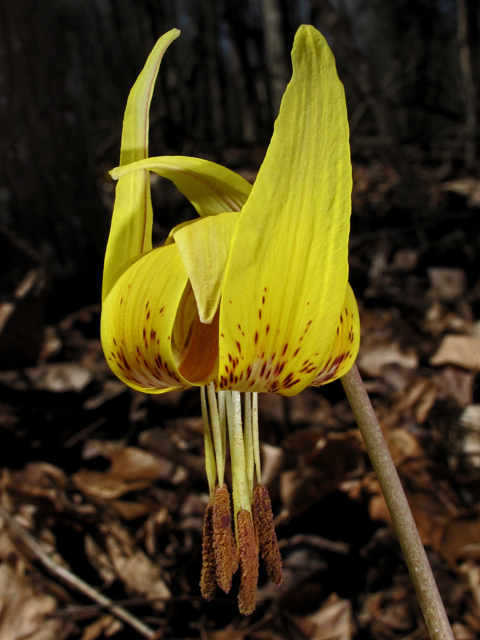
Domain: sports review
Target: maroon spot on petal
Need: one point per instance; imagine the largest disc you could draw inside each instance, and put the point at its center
(148, 315)
(229, 357)
(285, 349)
(161, 310)
(341, 319)
(256, 336)
(114, 342)
(249, 371)
(148, 302)
(231, 376)
(121, 300)
(263, 369)
(226, 368)
(238, 346)
(263, 299)
(260, 314)
(268, 328)
(138, 350)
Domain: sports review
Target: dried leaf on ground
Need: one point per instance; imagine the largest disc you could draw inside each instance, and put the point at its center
(463, 351)
(25, 612)
(333, 621)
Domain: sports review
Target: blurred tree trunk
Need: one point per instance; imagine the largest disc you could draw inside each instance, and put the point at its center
(466, 19)
(47, 182)
(275, 54)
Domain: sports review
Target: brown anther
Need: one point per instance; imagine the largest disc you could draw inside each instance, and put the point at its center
(208, 580)
(248, 555)
(225, 551)
(267, 538)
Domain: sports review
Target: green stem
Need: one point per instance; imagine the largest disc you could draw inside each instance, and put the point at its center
(412, 547)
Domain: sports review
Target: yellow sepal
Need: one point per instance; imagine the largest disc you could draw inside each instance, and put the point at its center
(131, 229)
(204, 247)
(211, 188)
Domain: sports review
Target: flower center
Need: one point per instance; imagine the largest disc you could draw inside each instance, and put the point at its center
(226, 548)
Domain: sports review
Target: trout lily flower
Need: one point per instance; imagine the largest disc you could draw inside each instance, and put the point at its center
(250, 297)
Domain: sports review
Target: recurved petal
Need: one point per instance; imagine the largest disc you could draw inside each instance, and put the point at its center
(211, 188)
(204, 246)
(131, 229)
(138, 322)
(345, 345)
(287, 272)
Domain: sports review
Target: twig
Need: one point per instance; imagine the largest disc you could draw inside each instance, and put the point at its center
(412, 547)
(73, 581)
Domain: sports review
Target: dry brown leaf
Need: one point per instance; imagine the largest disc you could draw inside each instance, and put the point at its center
(324, 462)
(59, 377)
(372, 359)
(131, 469)
(463, 351)
(468, 187)
(135, 569)
(106, 625)
(25, 612)
(459, 536)
(333, 621)
(447, 283)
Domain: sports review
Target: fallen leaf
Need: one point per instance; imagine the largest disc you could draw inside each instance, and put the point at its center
(463, 351)
(25, 612)
(333, 621)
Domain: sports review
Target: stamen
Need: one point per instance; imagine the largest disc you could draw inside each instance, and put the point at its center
(241, 500)
(267, 538)
(209, 453)
(225, 549)
(208, 580)
(248, 555)
(217, 433)
(249, 454)
(256, 439)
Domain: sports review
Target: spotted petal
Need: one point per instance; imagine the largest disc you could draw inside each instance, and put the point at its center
(151, 334)
(131, 229)
(287, 272)
(345, 345)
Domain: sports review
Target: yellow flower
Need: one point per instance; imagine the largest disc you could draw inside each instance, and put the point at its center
(252, 296)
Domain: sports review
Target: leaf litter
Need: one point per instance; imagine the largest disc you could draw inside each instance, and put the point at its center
(108, 486)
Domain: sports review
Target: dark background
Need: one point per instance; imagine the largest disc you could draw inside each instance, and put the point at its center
(73, 437)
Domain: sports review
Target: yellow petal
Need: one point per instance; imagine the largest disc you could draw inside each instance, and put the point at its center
(287, 272)
(211, 188)
(204, 247)
(131, 229)
(151, 334)
(345, 345)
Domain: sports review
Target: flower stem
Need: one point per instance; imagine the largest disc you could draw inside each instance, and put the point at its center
(412, 547)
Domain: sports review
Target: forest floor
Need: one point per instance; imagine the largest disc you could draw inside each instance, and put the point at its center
(104, 488)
